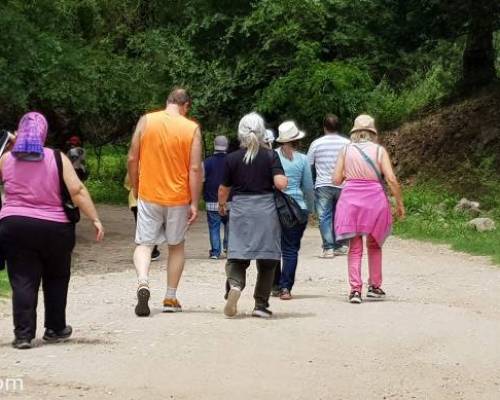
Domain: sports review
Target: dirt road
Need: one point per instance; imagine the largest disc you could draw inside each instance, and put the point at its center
(437, 336)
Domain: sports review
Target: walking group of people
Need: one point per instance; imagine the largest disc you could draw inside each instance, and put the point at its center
(342, 179)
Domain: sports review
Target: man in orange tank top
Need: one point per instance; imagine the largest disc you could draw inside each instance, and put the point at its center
(164, 166)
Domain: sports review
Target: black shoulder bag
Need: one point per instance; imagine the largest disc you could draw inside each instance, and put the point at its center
(289, 212)
(71, 211)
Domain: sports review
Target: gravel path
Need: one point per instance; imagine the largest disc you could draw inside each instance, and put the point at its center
(435, 337)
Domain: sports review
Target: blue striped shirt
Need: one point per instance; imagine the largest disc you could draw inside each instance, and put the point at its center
(323, 154)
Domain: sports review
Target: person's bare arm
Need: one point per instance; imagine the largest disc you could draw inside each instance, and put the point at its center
(338, 173)
(195, 175)
(80, 196)
(223, 196)
(134, 155)
(2, 160)
(393, 183)
(280, 182)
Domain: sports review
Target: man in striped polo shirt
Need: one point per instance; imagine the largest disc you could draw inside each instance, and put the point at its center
(322, 156)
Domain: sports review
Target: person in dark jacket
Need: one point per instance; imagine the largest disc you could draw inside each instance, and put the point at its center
(214, 167)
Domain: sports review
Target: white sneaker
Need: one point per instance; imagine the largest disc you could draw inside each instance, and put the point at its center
(327, 253)
(231, 309)
(341, 251)
(262, 312)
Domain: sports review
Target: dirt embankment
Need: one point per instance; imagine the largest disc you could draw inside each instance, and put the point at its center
(453, 141)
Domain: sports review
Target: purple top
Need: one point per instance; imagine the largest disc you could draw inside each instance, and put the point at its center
(32, 188)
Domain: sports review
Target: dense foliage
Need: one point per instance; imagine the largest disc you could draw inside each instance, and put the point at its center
(93, 66)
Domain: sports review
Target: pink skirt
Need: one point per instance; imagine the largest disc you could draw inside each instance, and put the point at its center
(363, 209)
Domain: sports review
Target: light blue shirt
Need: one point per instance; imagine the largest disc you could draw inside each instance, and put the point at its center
(300, 183)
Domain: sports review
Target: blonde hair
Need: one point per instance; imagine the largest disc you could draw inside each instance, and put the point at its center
(363, 136)
(251, 134)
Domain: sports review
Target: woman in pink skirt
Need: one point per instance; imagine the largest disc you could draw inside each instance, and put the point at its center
(363, 208)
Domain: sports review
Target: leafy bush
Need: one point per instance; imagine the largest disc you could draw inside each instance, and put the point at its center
(330, 87)
(106, 179)
(391, 107)
(4, 284)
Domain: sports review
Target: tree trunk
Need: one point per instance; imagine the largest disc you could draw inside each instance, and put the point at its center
(479, 53)
(479, 60)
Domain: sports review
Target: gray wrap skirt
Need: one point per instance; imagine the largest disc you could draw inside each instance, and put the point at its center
(254, 228)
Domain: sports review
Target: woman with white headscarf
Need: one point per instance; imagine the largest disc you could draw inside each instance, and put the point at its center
(255, 232)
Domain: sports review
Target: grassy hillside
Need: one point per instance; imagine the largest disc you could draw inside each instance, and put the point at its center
(448, 154)
(431, 217)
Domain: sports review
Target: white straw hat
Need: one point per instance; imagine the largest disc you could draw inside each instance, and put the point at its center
(289, 132)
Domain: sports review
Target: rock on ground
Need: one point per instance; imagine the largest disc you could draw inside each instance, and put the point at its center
(482, 224)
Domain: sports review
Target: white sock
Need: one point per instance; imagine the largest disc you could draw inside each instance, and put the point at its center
(142, 282)
(171, 292)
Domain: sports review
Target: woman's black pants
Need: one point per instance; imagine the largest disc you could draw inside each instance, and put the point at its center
(37, 251)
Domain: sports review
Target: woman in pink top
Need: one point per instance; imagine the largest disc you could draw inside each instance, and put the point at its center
(36, 237)
(363, 208)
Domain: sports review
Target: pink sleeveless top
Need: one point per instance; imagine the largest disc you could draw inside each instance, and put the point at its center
(32, 188)
(356, 167)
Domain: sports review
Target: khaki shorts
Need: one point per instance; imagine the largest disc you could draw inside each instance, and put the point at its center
(158, 224)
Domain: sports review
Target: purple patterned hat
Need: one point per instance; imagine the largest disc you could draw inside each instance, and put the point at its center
(31, 136)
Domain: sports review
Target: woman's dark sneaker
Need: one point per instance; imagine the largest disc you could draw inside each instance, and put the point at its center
(142, 307)
(22, 344)
(355, 297)
(375, 293)
(262, 312)
(275, 291)
(52, 335)
(155, 255)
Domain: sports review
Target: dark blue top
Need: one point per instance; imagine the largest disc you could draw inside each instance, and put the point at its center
(214, 170)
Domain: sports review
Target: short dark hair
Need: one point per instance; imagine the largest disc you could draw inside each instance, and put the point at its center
(179, 96)
(331, 123)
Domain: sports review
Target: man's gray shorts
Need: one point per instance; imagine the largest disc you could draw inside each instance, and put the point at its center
(158, 224)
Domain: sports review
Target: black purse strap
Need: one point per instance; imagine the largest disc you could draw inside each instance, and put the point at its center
(65, 196)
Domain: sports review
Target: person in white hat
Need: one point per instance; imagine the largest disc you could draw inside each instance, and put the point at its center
(322, 155)
(269, 138)
(214, 168)
(301, 188)
(363, 208)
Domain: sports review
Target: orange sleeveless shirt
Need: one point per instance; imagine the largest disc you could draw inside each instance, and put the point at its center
(164, 159)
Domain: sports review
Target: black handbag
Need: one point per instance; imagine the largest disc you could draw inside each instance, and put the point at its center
(289, 212)
(71, 211)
